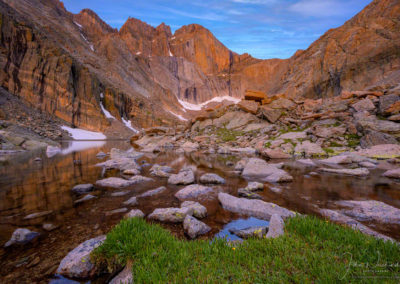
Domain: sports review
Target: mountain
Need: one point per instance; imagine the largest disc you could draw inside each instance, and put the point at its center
(75, 66)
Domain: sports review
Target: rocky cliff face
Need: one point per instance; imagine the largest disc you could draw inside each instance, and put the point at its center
(69, 65)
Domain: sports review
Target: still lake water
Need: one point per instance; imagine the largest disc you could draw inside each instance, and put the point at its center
(28, 186)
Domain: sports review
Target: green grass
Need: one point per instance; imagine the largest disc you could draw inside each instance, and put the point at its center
(228, 135)
(290, 141)
(353, 140)
(335, 144)
(268, 144)
(328, 150)
(312, 250)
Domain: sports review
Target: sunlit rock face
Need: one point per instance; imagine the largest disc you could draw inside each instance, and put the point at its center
(61, 63)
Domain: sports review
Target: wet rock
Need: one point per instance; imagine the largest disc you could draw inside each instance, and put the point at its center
(190, 146)
(307, 162)
(371, 211)
(116, 211)
(114, 182)
(258, 168)
(87, 197)
(212, 179)
(83, 188)
(367, 165)
(255, 186)
(49, 227)
(153, 191)
(38, 215)
(77, 263)
(124, 277)
(194, 227)
(279, 176)
(372, 138)
(193, 191)
(119, 193)
(119, 164)
(140, 179)
(161, 171)
(173, 215)
(101, 154)
(255, 208)
(243, 192)
(131, 201)
(252, 232)
(361, 172)
(120, 154)
(199, 211)
(385, 151)
(134, 213)
(274, 154)
(392, 173)
(185, 176)
(276, 226)
(341, 159)
(21, 236)
(240, 165)
(131, 172)
(309, 149)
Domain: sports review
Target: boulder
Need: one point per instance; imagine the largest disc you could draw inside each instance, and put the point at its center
(211, 179)
(387, 103)
(329, 132)
(250, 207)
(364, 105)
(131, 172)
(153, 192)
(258, 168)
(194, 227)
(276, 226)
(131, 201)
(124, 277)
(255, 186)
(274, 154)
(190, 146)
(371, 122)
(372, 138)
(307, 162)
(384, 151)
(272, 115)
(140, 179)
(120, 154)
(161, 171)
(282, 103)
(22, 236)
(83, 188)
(341, 159)
(77, 263)
(309, 149)
(241, 119)
(193, 191)
(252, 232)
(199, 211)
(116, 211)
(392, 173)
(360, 172)
(134, 213)
(173, 215)
(243, 192)
(114, 182)
(121, 164)
(87, 197)
(185, 176)
(240, 165)
(248, 106)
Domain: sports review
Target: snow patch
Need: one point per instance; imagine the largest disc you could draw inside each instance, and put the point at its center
(138, 53)
(81, 134)
(79, 26)
(128, 124)
(101, 95)
(191, 106)
(170, 53)
(173, 37)
(178, 116)
(106, 112)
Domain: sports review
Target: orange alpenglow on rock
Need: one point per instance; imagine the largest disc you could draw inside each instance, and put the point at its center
(257, 96)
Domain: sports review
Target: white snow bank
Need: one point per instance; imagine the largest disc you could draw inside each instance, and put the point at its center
(178, 116)
(128, 124)
(170, 53)
(77, 146)
(81, 134)
(191, 106)
(106, 112)
(80, 26)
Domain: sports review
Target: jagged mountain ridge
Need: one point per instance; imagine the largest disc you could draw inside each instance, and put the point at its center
(62, 62)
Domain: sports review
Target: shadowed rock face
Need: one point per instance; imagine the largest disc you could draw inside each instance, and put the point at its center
(61, 63)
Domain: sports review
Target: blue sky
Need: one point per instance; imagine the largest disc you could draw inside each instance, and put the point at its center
(262, 28)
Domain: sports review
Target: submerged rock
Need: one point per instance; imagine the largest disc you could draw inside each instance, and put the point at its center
(360, 172)
(254, 208)
(341, 159)
(49, 227)
(276, 226)
(194, 227)
(77, 263)
(185, 176)
(211, 179)
(199, 211)
(173, 215)
(258, 168)
(392, 173)
(134, 213)
(161, 171)
(153, 192)
(21, 236)
(252, 232)
(114, 182)
(83, 188)
(193, 191)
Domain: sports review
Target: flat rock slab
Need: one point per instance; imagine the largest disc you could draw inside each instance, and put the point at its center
(120, 164)
(114, 182)
(83, 188)
(276, 226)
(258, 168)
(255, 186)
(173, 215)
(140, 179)
(38, 215)
(87, 197)
(131, 172)
(252, 232)
(360, 172)
(307, 162)
(337, 160)
(153, 192)
(161, 171)
(371, 210)
(119, 193)
(22, 236)
(384, 151)
(116, 211)
(193, 191)
(134, 213)
(199, 211)
(254, 208)
(131, 201)
(183, 177)
(77, 263)
(194, 227)
(392, 173)
(212, 179)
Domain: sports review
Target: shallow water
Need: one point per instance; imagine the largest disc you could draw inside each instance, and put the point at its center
(28, 186)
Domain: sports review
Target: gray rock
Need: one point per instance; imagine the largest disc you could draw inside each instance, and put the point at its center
(364, 105)
(131, 201)
(243, 192)
(101, 154)
(252, 232)
(341, 159)
(87, 197)
(116, 211)
(258, 168)
(173, 215)
(212, 179)
(38, 215)
(114, 182)
(21, 236)
(161, 171)
(134, 213)
(183, 177)
(309, 149)
(255, 186)
(49, 227)
(190, 146)
(199, 211)
(120, 154)
(360, 172)
(255, 208)
(83, 188)
(367, 165)
(385, 151)
(193, 191)
(392, 173)
(307, 162)
(153, 191)
(385, 102)
(371, 122)
(240, 165)
(293, 135)
(279, 176)
(372, 138)
(131, 172)
(77, 263)
(194, 227)
(119, 193)
(124, 277)
(276, 226)
(119, 164)
(140, 179)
